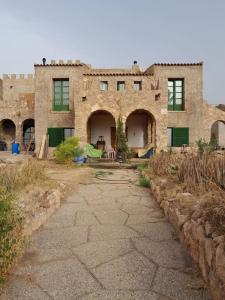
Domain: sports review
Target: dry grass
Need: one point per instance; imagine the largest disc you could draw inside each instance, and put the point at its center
(11, 236)
(165, 163)
(201, 175)
(14, 177)
(194, 171)
(213, 211)
(198, 171)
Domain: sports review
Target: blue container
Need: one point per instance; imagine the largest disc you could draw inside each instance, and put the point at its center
(79, 159)
(15, 148)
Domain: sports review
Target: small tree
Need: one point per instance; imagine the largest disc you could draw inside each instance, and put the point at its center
(121, 141)
(203, 146)
(68, 150)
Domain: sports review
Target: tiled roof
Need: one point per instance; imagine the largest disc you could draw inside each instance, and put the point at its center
(116, 74)
(178, 64)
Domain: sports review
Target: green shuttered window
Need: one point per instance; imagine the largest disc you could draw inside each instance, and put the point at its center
(61, 94)
(178, 136)
(58, 135)
(175, 94)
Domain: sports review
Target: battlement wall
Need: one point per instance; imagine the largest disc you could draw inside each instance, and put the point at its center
(18, 76)
(62, 62)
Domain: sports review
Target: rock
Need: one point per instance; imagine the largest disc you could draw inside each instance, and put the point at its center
(220, 262)
(215, 234)
(171, 200)
(181, 219)
(165, 205)
(196, 215)
(218, 239)
(209, 251)
(208, 229)
(202, 261)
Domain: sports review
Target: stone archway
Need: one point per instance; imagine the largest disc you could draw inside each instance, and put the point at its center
(7, 134)
(101, 125)
(28, 127)
(141, 129)
(218, 134)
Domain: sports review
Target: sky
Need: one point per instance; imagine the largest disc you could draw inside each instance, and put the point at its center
(114, 33)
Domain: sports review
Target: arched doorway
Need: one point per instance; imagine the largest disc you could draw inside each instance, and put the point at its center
(101, 127)
(7, 134)
(140, 129)
(218, 134)
(28, 135)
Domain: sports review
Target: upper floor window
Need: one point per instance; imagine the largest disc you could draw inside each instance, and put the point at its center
(104, 85)
(120, 85)
(61, 94)
(137, 85)
(175, 94)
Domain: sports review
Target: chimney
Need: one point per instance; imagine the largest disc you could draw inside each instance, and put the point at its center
(135, 68)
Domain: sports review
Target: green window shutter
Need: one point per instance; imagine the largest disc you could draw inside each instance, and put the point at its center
(61, 95)
(56, 136)
(180, 136)
(175, 94)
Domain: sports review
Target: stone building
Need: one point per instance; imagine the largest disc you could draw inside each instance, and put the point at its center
(160, 106)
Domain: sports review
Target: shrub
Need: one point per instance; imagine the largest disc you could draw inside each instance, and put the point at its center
(142, 166)
(144, 181)
(203, 146)
(11, 236)
(68, 150)
(12, 179)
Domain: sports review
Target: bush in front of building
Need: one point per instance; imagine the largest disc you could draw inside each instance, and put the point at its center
(11, 234)
(144, 181)
(68, 150)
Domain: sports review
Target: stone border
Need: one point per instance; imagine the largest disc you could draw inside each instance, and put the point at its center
(206, 249)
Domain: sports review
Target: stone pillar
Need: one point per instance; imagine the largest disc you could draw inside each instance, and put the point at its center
(149, 132)
(19, 133)
(81, 129)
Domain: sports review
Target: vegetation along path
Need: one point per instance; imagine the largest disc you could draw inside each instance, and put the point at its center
(109, 240)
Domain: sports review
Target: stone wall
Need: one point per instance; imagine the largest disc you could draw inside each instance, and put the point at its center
(17, 102)
(120, 102)
(206, 247)
(23, 97)
(210, 115)
(45, 117)
(193, 97)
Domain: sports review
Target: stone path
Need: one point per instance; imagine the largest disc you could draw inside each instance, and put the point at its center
(109, 240)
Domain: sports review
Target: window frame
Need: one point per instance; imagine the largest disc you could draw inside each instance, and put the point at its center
(104, 83)
(139, 82)
(64, 103)
(120, 83)
(174, 106)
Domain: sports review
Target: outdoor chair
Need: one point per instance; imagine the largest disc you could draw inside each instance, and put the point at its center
(110, 153)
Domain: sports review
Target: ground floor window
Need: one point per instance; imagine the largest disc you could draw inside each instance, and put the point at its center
(58, 135)
(178, 136)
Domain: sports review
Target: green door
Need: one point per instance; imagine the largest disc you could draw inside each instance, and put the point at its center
(180, 136)
(56, 136)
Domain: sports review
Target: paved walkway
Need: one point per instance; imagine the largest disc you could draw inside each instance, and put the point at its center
(109, 240)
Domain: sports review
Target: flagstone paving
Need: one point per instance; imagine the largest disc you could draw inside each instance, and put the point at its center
(109, 240)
